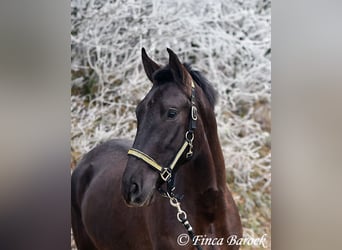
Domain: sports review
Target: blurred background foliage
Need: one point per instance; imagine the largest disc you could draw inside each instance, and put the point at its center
(229, 41)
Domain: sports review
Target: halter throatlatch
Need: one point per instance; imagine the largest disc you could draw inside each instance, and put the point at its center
(167, 174)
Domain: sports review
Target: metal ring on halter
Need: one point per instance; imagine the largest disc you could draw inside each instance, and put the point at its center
(166, 174)
(192, 136)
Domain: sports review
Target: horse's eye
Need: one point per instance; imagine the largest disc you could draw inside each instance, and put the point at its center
(172, 113)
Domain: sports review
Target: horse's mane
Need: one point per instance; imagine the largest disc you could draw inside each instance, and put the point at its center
(164, 75)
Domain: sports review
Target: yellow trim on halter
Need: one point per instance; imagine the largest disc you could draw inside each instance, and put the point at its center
(145, 158)
(180, 152)
(149, 160)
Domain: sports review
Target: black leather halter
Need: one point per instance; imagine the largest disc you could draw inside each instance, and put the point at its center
(167, 174)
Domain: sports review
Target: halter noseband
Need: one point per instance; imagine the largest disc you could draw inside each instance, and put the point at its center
(166, 173)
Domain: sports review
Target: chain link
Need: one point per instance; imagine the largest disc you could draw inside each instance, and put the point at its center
(175, 203)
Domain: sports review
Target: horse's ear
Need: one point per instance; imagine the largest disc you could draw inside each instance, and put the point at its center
(149, 65)
(178, 70)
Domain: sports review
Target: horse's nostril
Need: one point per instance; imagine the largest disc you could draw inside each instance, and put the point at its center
(134, 188)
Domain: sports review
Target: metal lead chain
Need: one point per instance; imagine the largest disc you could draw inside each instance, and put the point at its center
(182, 217)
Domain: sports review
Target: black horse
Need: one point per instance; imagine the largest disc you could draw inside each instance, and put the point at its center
(115, 195)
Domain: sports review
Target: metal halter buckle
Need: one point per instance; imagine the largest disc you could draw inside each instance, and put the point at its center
(166, 174)
(193, 113)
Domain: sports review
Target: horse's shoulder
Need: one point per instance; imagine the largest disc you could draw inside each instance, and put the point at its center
(209, 202)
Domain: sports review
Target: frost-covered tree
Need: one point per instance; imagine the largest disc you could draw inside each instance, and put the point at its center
(229, 41)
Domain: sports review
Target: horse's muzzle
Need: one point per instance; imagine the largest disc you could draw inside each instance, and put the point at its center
(136, 192)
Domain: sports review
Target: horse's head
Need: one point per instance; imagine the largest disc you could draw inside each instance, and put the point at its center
(163, 120)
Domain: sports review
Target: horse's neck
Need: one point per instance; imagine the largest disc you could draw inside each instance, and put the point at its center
(207, 170)
(203, 182)
(211, 156)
